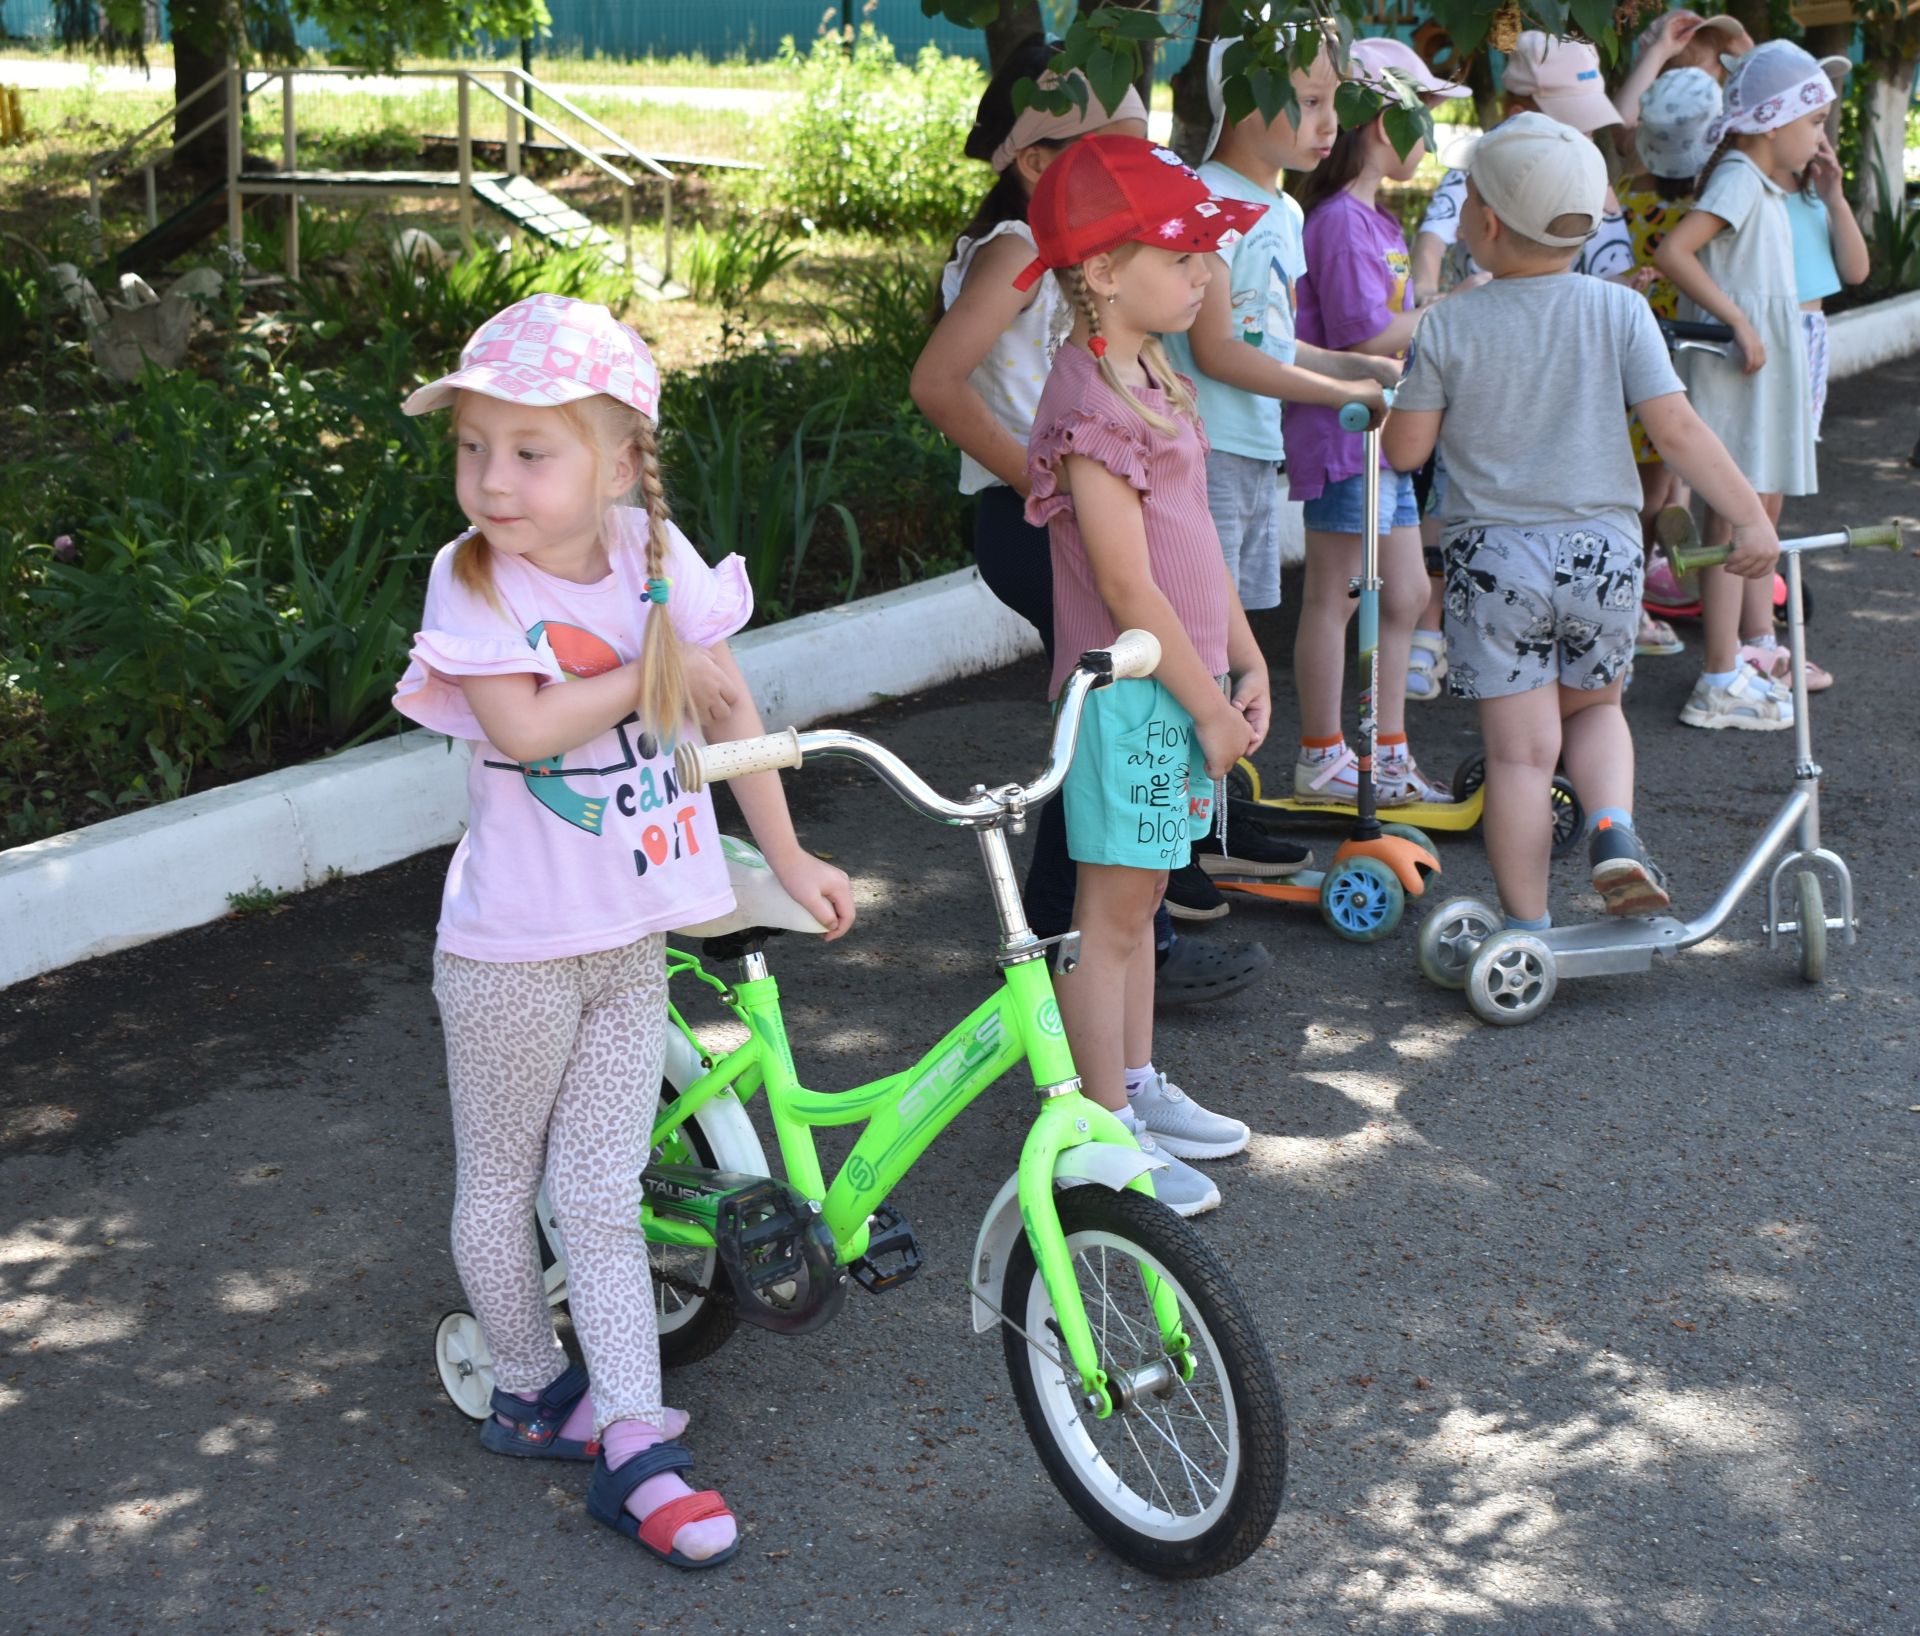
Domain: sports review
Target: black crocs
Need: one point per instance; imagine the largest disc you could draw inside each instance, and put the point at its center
(1192, 970)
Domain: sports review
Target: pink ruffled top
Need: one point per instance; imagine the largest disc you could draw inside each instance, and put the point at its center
(1081, 414)
(599, 846)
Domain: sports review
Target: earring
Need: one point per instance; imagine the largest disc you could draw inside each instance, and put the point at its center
(1112, 298)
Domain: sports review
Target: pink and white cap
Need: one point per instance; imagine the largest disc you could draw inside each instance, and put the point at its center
(549, 350)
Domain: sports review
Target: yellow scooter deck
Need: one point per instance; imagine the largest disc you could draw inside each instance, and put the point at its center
(1440, 815)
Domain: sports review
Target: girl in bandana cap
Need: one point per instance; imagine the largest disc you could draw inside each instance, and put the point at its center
(562, 636)
(1732, 258)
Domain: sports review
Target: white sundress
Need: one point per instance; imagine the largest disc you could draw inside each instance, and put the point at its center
(1011, 375)
(1762, 418)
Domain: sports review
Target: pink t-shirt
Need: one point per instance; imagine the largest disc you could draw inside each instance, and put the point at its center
(1081, 414)
(599, 846)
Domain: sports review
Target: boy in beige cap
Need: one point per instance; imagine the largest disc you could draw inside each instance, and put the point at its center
(1520, 384)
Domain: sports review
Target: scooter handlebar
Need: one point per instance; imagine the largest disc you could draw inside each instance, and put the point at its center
(701, 764)
(1883, 536)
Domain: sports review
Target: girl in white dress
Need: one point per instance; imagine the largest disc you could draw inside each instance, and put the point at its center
(1732, 258)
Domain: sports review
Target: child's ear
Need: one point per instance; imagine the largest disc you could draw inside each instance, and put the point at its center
(625, 472)
(1100, 274)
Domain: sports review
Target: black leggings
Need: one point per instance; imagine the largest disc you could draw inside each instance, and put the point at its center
(1016, 561)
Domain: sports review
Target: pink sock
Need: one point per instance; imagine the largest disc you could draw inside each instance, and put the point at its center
(699, 1540)
(579, 1424)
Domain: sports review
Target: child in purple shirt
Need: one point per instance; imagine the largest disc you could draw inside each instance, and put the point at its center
(1357, 297)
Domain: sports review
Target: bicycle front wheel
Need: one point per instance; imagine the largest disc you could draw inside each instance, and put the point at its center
(1184, 1478)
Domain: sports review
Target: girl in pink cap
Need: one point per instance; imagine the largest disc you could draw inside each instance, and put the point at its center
(1116, 473)
(568, 633)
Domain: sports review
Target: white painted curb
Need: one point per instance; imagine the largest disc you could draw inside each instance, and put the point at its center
(1867, 336)
(132, 879)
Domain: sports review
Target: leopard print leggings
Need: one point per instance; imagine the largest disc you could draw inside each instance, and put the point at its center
(555, 1065)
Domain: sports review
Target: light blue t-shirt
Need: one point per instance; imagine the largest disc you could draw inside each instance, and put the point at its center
(1262, 269)
(1814, 275)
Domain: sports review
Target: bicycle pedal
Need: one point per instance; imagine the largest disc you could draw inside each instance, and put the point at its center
(890, 1236)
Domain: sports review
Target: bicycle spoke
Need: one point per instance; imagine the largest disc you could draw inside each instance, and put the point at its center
(1189, 1467)
(1166, 1501)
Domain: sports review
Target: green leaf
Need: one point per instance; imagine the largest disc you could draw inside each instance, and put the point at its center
(1355, 104)
(1406, 126)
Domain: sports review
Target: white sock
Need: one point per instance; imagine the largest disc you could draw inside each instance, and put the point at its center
(1767, 641)
(1138, 1079)
(1721, 678)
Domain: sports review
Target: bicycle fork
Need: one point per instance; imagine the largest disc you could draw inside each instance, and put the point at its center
(1067, 1120)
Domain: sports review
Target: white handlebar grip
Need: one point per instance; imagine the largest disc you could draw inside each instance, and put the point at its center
(701, 764)
(1134, 653)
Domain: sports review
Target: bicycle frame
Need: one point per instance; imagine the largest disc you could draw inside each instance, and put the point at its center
(904, 1112)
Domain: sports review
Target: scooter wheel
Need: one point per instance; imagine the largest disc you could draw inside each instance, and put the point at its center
(1469, 776)
(1812, 908)
(1511, 978)
(1243, 781)
(1407, 832)
(1569, 817)
(1362, 900)
(1449, 938)
(465, 1365)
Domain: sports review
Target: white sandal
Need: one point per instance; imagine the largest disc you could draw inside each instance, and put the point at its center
(1427, 666)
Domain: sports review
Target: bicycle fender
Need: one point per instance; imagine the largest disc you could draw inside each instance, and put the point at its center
(722, 1120)
(1090, 1163)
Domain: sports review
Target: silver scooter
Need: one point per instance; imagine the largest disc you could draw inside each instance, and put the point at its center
(1510, 976)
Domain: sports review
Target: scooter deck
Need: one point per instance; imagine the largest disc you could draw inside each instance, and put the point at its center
(1603, 948)
(1440, 815)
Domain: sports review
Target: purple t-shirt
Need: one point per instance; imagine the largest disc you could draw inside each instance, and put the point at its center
(1358, 278)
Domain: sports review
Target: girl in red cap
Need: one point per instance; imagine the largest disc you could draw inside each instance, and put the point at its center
(1116, 472)
(560, 633)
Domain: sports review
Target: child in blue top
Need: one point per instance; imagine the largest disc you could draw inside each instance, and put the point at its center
(1241, 352)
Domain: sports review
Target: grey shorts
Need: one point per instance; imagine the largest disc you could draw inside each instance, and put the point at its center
(1528, 607)
(1243, 494)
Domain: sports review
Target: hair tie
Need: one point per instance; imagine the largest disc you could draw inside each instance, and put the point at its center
(1098, 346)
(657, 590)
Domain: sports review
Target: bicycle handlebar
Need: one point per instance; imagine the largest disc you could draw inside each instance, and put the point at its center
(1883, 536)
(1131, 655)
(1687, 329)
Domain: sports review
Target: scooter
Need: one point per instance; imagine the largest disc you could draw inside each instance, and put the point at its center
(1379, 866)
(1510, 976)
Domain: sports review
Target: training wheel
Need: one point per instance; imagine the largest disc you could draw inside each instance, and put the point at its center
(466, 1366)
(1362, 899)
(1510, 978)
(1449, 938)
(1812, 908)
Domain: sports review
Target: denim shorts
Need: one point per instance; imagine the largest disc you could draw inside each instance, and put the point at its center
(1341, 507)
(1137, 793)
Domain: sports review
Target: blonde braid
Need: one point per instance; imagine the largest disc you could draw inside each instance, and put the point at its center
(1088, 305)
(664, 700)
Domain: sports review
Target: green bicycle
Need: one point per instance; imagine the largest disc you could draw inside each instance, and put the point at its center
(1140, 1375)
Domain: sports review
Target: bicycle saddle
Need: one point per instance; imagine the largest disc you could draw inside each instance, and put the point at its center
(760, 902)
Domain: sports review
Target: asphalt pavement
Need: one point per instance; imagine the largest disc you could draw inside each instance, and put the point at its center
(1604, 1324)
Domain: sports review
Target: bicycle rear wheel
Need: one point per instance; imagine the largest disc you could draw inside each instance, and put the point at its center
(1184, 1478)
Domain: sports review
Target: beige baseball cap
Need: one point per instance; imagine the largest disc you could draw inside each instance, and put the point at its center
(1561, 78)
(1532, 170)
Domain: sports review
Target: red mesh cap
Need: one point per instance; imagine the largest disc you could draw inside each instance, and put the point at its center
(1106, 191)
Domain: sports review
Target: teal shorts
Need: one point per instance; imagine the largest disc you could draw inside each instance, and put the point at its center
(1137, 793)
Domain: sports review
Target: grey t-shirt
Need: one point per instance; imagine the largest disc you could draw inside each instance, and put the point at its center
(1536, 375)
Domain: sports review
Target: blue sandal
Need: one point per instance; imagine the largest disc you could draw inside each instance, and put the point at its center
(535, 1432)
(607, 1503)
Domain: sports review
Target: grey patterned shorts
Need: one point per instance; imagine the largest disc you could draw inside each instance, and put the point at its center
(1528, 607)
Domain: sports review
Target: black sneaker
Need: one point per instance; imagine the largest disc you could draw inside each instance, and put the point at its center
(1191, 895)
(1253, 853)
(1630, 881)
(1192, 969)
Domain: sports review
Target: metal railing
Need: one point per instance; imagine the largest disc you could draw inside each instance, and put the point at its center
(520, 117)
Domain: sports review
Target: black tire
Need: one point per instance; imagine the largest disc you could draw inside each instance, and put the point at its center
(1234, 1375)
(1569, 817)
(1469, 775)
(691, 1327)
(1239, 782)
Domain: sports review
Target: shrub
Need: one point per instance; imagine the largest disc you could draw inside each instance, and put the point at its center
(870, 145)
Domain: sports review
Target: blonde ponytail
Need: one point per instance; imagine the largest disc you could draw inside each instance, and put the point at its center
(1080, 293)
(664, 700)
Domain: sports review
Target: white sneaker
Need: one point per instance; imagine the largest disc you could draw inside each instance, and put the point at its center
(1178, 1186)
(1749, 702)
(1333, 778)
(1181, 1126)
(1399, 782)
